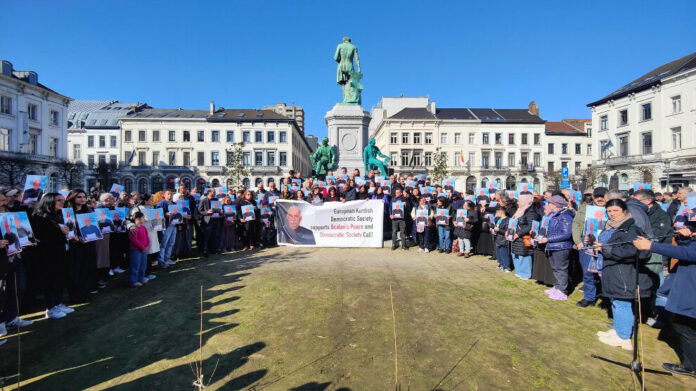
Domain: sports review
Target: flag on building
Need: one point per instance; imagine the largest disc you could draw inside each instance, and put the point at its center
(130, 159)
(461, 157)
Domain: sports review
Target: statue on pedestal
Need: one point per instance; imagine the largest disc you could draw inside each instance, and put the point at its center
(323, 159)
(346, 75)
(370, 159)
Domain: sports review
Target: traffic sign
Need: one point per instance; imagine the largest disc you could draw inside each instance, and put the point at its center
(565, 184)
(564, 172)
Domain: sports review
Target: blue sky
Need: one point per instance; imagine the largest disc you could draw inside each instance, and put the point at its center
(248, 54)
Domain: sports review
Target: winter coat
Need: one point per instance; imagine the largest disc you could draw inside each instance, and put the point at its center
(524, 225)
(662, 227)
(579, 224)
(560, 230)
(639, 212)
(460, 232)
(151, 233)
(502, 224)
(673, 208)
(619, 267)
(681, 295)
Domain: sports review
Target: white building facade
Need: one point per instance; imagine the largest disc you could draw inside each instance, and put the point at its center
(33, 131)
(193, 145)
(479, 145)
(646, 130)
(569, 144)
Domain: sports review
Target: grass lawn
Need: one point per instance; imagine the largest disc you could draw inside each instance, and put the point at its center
(321, 319)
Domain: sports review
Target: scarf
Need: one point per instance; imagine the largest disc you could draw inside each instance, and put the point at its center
(616, 224)
(524, 202)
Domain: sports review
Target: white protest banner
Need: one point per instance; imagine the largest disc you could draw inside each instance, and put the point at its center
(333, 224)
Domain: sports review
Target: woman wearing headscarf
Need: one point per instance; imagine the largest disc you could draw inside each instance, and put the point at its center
(559, 242)
(522, 255)
(617, 255)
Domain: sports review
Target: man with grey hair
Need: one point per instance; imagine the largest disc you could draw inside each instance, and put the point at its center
(678, 201)
(292, 232)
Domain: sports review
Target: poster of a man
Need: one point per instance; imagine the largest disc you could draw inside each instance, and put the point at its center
(442, 216)
(69, 222)
(248, 212)
(105, 224)
(89, 231)
(33, 189)
(117, 219)
(291, 232)
(155, 216)
(9, 233)
(24, 231)
(175, 216)
(398, 210)
(116, 190)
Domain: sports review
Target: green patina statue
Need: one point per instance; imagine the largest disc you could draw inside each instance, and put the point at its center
(323, 158)
(370, 158)
(346, 75)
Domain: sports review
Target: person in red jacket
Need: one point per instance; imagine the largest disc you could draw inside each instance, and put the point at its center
(139, 243)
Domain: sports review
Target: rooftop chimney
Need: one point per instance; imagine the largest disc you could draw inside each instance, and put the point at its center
(212, 107)
(533, 108)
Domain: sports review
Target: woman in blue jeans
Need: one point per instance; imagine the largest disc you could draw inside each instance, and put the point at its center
(522, 255)
(444, 225)
(617, 257)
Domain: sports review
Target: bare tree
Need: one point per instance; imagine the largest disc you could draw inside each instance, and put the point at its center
(104, 174)
(13, 171)
(71, 173)
(591, 176)
(553, 177)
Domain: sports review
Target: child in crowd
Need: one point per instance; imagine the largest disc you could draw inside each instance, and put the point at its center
(139, 243)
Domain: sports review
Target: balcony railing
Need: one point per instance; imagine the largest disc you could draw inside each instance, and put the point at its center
(30, 157)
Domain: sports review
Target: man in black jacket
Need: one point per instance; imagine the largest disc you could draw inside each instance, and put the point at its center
(398, 217)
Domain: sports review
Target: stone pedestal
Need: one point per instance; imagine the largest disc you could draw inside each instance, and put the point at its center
(347, 127)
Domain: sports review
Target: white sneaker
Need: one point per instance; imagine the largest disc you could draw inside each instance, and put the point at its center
(18, 322)
(170, 262)
(118, 270)
(420, 250)
(608, 333)
(65, 309)
(615, 340)
(426, 250)
(55, 313)
(111, 272)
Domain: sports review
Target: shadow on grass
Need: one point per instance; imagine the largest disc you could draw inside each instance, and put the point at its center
(150, 348)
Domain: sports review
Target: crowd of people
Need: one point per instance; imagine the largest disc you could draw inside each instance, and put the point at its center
(640, 242)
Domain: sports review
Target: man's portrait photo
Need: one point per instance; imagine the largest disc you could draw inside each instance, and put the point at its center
(291, 232)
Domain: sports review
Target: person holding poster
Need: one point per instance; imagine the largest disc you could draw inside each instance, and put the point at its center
(88, 231)
(249, 220)
(558, 244)
(116, 190)
(52, 253)
(502, 251)
(82, 254)
(521, 254)
(210, 225)
(464, 228)
(156, 219)
(175, 216)
(24, 231)
(590, 279)
(69, 222)
(444, 225)
(292, 232)
(33, 189)
(397, 216)
(169, 234)
(104, 223)
(422, 216)
(228, 232)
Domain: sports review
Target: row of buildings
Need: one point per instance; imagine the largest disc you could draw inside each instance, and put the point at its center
(642, 132)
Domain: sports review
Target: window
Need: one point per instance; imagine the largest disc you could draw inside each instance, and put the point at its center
(155, 136)
(578, 149)
(578, 168)
(457, 138)
(589, 131)
(141, 136)
(54, 118)
(472, 138)
(76, 153)
(404, 158)
(90, 141)
(564, 164)
(457, 158)
(623, 117)
(551, 167)
(537, 138)
(229, 156)
(258, 137)
(230, 136)
(676, 138)
(524, 158)
(187, 158)
(53, 147)
(32, 111)
(537, 159)
(283, 137)
(428, 138)
(5, 105)
(214, 158)
(550, 148)
(215, 136)
(5, 139)
(258, 158)
(246, 137)
(472, 158)
(155, 158)
(201, 136)
(646, 112)
(270, 137)
(589, 149)
(603, 122)
(443, 138)
(200, 158)
(524, 138)
(102, 141)
(102, 159)
(394, 138)
(187, 136)
(498, 160)
(647, 143)
(394, 158)
(623, 145)
(498, 139)
(484, 159)
(112, 142)
(141, 158)
(246, 158)
(484, 139)
(282, 159)
(676, 104)
(33, 146)
(511, 139)
(603, 149)
(90, 161)
(127, 136)
(172, 136)
(404, 138)
(416, 138)
(172, 158)
(126, 156)
(417, 158)
(511, 159)
(270, 158)
(428, 159)
(564, 149)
